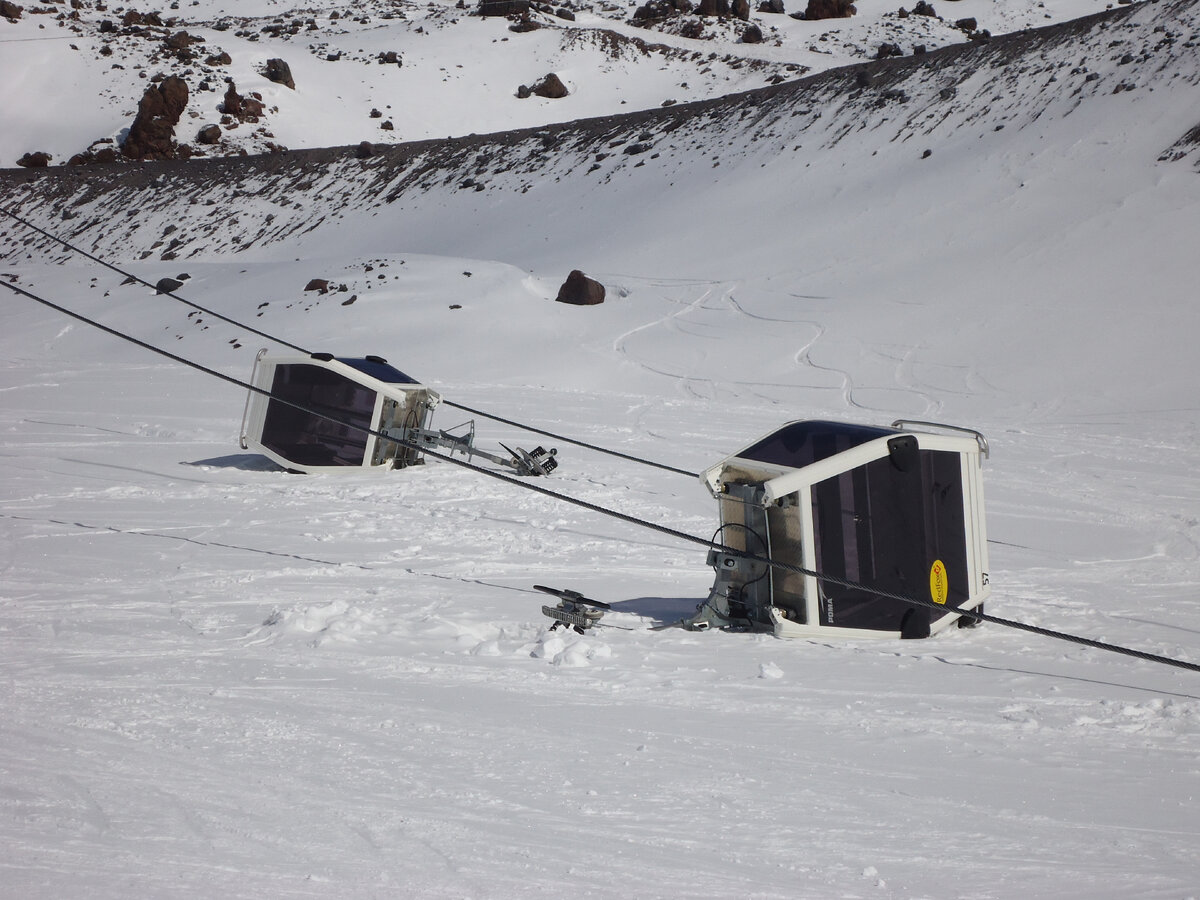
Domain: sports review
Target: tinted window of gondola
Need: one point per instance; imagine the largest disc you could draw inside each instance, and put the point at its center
(381, 371)
(885, 527)
(868, 530)
(310, 440)
(803, 443)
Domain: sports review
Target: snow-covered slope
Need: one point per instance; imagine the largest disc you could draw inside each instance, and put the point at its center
(224, 680)
(71, 80)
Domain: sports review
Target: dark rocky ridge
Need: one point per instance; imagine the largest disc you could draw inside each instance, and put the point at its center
(910, 98)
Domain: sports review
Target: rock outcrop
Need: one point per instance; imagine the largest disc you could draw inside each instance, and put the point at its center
(152, 135)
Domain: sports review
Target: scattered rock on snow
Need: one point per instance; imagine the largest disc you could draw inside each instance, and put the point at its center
(10, 10)
(167, 285)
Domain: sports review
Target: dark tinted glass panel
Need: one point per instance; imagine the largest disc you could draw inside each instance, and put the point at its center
(886, 527)
(310, 440)
(803, 443)
(382, 371)
(869, 530)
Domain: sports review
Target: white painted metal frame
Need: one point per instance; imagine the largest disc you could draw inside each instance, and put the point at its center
(785, 482)
(263, 376)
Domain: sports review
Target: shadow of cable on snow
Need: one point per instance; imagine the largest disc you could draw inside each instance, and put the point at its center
(137, 532)
(1065, 677)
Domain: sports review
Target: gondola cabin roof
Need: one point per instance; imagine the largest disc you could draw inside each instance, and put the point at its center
(832, 447)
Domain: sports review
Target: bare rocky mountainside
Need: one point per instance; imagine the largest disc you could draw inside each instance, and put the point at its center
(914, 105)
(196, 80)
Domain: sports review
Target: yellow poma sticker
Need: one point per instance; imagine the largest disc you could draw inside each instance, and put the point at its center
(939, 582)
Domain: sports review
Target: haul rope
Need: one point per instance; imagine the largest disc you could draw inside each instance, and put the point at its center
(624, 517)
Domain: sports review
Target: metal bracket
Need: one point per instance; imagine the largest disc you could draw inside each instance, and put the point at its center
(573, 609)
(538, 461)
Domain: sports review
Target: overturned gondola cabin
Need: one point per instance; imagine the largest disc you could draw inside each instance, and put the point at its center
(862, 509)
(320, 408)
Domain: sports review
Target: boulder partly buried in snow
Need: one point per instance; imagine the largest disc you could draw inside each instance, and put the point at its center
(579, 290)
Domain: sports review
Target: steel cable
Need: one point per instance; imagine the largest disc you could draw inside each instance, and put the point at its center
(615, 514)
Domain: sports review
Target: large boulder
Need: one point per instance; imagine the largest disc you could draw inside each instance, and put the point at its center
(10, 10)
(504, 7)
(279, 72)
(579, 290)
(829, 9)
(36, 160)
(209, 134)
(551, 87)
(152, 135)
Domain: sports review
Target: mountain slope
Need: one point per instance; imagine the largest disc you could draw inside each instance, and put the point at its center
(223, 679)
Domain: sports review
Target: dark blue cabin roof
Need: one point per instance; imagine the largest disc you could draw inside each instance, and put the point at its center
(377, 369)
(801, 444)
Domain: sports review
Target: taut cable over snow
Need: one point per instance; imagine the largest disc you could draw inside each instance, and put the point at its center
(130, 275)
(624, 517)
(291, 346)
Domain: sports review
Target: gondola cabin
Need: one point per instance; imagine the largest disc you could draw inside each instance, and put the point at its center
(356, 393)
(898, 509)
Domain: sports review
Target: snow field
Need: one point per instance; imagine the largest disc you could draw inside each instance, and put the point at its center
(223, 680)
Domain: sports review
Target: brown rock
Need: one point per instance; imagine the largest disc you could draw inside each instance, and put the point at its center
(829, 9)
(579, 290)
(551, 87)
(10, 10)
(180, 40)
(232, 104)
(35, 160)
(503, 7)
(280, 72)
(152, 135)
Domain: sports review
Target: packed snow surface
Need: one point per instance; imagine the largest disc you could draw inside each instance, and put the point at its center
(223, 680)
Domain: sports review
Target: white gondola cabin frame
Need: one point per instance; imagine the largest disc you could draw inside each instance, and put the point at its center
(398, 405)
(777, 504)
